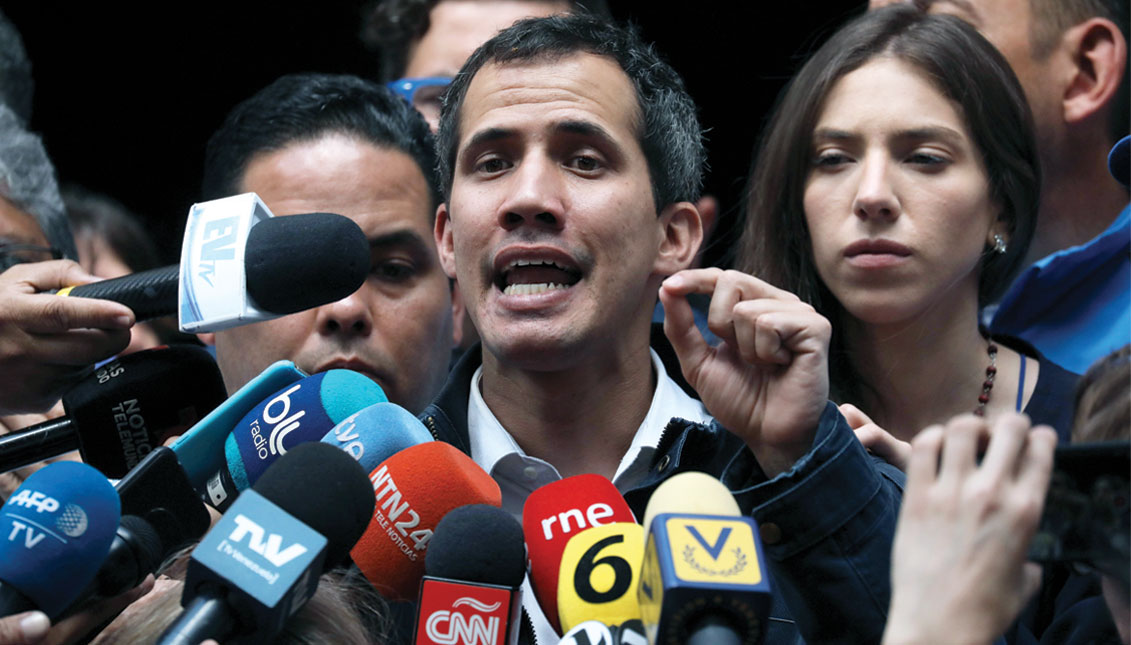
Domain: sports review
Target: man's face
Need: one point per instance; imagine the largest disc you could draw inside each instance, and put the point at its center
(1007, 25)
(551, 228)
(456, 28)
(397, 328)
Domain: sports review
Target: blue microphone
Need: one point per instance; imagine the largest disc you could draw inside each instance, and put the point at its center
(376, 433)
(55, 532)
(300, 412)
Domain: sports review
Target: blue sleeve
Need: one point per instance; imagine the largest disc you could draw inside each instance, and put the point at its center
(827, 525)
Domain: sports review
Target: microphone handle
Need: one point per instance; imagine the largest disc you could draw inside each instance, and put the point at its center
(151, 294)
(36, 443)
(712, 629)
(207, 616)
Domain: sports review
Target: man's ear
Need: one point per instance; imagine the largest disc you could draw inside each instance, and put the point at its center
(444, 243)
(208, 338)
(1099, 57)
(681, 228)
(459, 310)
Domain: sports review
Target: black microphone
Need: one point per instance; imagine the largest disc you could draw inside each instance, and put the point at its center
(472, 587)
(292, 263)
(124, 410)
(262, 560)
(161, 513)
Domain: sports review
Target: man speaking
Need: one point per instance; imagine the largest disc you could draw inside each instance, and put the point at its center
(570, 159)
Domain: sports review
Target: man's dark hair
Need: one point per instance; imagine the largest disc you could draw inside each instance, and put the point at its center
(305, 107)
(667, 125)
(16, 84)
(390, 27)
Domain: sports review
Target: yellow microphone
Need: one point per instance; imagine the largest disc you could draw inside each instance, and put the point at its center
(703, 578)
(599, 575)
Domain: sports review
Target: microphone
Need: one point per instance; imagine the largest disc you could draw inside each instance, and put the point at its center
(414, 490)
(298, 413)
(161, 513)
(125, 409)
(600, 574)
(262, 560)
(56, 530)
(376, 433)
(472, 588)
(590, 632)
(552, 515)
(703, 580)
(289, 264)
(200, 450)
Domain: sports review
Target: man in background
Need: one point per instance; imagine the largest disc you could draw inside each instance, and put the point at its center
(1074, 302)
(339, 144)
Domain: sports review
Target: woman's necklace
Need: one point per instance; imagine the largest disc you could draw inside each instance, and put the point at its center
(988, 384)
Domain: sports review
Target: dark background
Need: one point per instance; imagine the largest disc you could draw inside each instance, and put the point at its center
(126, 98)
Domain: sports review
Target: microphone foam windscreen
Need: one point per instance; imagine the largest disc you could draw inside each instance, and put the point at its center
(130, 405)
(59, 526)
(556, 512)
(692, 493)
(298, 413)
(325, 489)
(414, 490)
(376, 433)
(297, 262)
(478, 543)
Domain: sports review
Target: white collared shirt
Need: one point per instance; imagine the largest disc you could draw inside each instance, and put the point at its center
(519, 474)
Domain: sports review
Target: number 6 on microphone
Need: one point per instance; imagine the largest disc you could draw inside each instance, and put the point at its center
(599, 574)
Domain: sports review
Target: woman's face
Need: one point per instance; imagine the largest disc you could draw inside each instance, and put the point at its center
(897, 200)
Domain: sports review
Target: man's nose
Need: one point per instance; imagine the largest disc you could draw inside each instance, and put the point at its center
(536, 196)
(350, 315)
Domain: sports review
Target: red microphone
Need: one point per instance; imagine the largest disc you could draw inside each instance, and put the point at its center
(555, 513)
(472, 592)
(415, 488)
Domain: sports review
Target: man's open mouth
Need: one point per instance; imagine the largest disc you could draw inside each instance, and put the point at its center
(533, 276)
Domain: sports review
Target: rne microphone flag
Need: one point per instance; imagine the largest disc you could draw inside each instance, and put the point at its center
(555, 513)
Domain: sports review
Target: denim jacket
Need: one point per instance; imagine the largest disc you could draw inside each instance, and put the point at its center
(827, 524)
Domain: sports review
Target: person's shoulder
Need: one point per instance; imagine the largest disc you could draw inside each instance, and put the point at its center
(1052, 402)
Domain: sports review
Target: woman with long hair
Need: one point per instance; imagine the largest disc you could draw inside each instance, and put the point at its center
(896, 191)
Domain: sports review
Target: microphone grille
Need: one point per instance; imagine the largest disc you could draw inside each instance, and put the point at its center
(324, 488)
(478, 543)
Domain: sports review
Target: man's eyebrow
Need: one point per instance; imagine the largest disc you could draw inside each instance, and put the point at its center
(488, 135)
(585, 129)
(397, 238)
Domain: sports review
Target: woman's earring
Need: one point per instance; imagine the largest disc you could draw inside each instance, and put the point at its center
(999, 244)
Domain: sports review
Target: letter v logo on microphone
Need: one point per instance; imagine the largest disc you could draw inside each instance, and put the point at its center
(712, 549)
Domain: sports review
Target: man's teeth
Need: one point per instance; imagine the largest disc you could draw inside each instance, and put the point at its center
(527, 263)
(531, 289)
